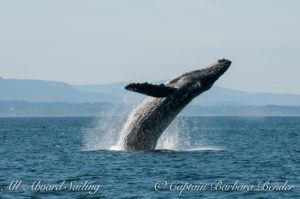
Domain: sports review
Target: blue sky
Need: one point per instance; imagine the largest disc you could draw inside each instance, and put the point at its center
(93, 41)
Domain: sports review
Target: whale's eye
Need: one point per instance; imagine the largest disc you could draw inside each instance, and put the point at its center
(196, 85)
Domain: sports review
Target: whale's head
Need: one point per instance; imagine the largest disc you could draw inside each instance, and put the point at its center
(197, 81)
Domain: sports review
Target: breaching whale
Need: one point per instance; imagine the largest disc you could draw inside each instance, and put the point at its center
(149, 120)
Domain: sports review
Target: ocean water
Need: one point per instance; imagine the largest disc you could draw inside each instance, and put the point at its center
(197, 157)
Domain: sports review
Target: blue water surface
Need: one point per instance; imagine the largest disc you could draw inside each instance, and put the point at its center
(221, 150)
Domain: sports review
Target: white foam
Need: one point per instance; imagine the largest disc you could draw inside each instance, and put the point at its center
(207, 148)
(115, 148)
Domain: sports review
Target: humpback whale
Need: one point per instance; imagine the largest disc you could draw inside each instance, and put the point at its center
(149, 120)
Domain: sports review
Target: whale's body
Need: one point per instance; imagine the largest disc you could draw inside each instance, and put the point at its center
(149, 120)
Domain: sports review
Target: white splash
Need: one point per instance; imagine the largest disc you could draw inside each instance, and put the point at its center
(104, 133)
(175, 136)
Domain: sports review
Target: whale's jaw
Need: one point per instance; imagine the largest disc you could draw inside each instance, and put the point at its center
(148, 121)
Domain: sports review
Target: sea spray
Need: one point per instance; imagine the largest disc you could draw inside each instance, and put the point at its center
(181, 136)
(175, 137)
(104, 132)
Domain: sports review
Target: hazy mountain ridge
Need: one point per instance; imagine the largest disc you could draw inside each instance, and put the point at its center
(51, 91)
(47, 91)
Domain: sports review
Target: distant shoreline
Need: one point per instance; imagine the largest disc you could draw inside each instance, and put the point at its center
(66, 109)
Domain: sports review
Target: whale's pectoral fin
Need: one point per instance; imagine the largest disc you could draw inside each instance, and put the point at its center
(151, 90)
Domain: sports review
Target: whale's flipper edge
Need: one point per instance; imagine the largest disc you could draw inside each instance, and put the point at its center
(150, 89)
